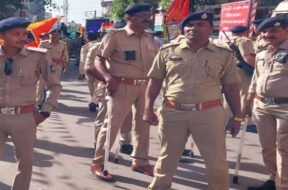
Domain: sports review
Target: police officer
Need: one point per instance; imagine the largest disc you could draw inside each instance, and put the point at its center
(130, 52)
(99, 96)
(59, 54)
(245, 46)
(92, 82)
(269, 90)
(195, 72)
(20, 68)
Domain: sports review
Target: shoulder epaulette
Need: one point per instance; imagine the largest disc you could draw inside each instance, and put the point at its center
(222, 47)
(42, 50)
(165, 46)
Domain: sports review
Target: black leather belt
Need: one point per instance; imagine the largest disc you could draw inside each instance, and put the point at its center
(267, 100)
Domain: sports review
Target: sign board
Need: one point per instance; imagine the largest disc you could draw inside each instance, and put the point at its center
(158, 26)
(233, 14)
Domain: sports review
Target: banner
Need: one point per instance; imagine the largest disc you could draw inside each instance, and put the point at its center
(233, 14)
(158, 23)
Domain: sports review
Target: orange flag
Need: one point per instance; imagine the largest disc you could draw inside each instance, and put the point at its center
(175, 10)
(185, 9)
(37, 28)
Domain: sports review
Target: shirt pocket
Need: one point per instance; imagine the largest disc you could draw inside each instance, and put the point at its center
(27, 75)
(262, 66)
(176, 65)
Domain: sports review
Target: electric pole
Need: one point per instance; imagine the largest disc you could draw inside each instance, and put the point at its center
(65, 10)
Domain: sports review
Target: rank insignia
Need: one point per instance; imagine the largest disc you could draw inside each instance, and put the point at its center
(204, 16)
(277, 24)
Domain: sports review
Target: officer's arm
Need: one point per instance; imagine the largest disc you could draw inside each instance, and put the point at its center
(151, 93)
(65, 55)
(53, 83)
(101, 68)
(232, 95)
(83, 55)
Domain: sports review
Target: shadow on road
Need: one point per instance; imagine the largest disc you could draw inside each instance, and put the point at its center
(4, 186)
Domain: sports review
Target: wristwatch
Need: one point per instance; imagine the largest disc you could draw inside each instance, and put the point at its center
(239, 119)
(45, 114)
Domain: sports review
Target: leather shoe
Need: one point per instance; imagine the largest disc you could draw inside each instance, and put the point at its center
(268, 185)
(93, 107)
(126, 149)
(99, 172)
(147, 170)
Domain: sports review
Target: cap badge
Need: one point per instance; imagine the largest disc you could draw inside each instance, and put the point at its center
(204, 16)
(277, 24)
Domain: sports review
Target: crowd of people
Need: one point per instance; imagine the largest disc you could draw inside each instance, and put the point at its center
(206, 90)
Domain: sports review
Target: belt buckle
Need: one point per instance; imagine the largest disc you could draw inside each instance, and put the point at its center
(139, 82)
(8, 111)
(269, 100)
(188, 107)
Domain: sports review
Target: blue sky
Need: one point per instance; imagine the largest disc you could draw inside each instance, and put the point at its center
(77, 9)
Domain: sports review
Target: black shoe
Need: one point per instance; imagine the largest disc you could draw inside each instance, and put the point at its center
(188, 153)
(126, 149)
(93, 107)
(251, 129)
(268, 185)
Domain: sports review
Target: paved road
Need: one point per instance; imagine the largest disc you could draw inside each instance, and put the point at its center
(64, 150)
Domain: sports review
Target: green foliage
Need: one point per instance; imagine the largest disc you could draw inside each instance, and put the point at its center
(8, 7)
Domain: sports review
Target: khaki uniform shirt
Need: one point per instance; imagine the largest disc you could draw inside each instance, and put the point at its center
(19, 88)
(83, 56)
(91, 55)
(194, 77)
(270, 76)
(245, 46)
(260, 44)
(128, 55)
(57, 51)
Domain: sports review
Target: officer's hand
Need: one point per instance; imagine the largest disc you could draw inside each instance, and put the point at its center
(248, 110)
(38, 118)
(81, 77)
(65, 70)
(111, 85)
(233, 127)
(150, 117)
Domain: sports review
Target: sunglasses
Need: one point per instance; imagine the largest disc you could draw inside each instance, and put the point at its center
(8, 66)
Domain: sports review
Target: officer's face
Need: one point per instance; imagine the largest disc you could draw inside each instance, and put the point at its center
(275, 36)
(197, 30)
(141, 19)
(16, 37)
(55, 36)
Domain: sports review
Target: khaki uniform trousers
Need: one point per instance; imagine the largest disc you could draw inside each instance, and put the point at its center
(92, 85)
(272, 123)
(122, 101)
(41, 87)
(125, 131)
(208, 131)
(22, 129)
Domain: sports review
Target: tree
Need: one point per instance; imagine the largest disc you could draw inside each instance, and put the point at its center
(8, 7)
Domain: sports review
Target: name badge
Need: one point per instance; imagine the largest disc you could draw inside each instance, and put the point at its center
(281, 57)
(130, 55)
(175, 58)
